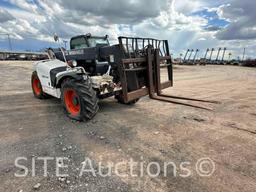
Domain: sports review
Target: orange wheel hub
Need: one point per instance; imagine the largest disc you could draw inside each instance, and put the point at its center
(36, 86)
(72, 102)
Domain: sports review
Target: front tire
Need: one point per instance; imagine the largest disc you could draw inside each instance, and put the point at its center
(79, 99)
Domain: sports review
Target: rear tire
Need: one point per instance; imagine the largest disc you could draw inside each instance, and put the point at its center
(37, 87)
(79, 99)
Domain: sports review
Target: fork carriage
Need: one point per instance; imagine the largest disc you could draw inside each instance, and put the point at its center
(142, 54)
(141, 67)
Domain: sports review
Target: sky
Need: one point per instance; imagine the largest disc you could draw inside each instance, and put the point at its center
(186, 24)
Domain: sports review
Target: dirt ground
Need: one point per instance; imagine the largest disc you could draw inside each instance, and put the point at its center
(150, 131)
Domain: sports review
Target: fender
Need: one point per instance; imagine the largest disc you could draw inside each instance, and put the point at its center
(67, 74)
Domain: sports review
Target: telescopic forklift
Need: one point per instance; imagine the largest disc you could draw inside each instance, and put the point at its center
(93, 69)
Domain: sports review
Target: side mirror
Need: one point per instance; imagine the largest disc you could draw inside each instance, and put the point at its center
(56, 37)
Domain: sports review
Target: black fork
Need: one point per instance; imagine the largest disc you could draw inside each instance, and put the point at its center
(154, 81)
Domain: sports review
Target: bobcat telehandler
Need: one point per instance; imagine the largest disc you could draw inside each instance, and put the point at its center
(93, 69)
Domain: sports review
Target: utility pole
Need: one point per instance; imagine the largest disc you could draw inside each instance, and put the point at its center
(9, 40)
(243, 55)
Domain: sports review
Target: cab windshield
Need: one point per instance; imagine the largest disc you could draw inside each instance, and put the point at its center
(78, 43)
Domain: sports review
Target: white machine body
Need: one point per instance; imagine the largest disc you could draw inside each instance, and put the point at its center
(43, 68)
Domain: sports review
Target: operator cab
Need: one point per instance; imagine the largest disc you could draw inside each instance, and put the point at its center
(85, 49)
(86, 41)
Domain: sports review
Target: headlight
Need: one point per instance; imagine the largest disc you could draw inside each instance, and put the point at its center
(72, 63)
